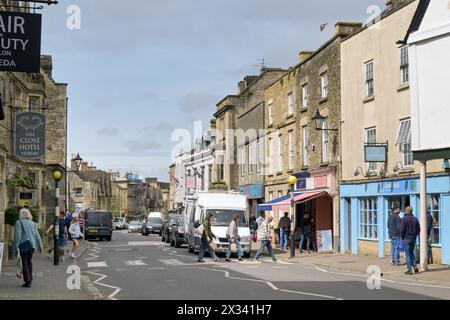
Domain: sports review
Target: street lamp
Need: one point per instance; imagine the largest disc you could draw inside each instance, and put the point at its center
(318, 122)
(57, 175)
(78, 160)
(292, 184)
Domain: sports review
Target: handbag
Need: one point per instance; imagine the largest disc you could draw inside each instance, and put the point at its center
(199, 231)
(233, 247)
(25, 246)
(19, 268)
(213, 245)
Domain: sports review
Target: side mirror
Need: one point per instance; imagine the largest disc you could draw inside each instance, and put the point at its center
(197, 224)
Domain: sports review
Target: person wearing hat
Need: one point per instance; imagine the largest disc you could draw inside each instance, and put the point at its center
(75, 233)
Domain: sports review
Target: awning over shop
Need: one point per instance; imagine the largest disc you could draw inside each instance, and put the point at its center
(268, 206)
(301, 198)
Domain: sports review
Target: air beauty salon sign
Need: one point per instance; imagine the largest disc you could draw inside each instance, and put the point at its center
(20, 42)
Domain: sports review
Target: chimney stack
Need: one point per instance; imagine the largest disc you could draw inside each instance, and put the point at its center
(395, 4)
(347, 28)
(241, 86)
(304, 55)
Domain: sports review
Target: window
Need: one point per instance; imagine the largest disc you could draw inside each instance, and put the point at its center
(290, 104)
(280, 194)
(34, 103)
(324, 81)
(280, 153)
(305, 96)
(434, 210)
(270, 155)
(203, 178)
(251, 157)
(371, 139)
(404, 65)
(325, 142)
(260, 153)
(369, 79)
(243, 162)
(78, 191)
(210, 174)
(368, 219)
(291, 150)
(222, 168)
(305, 141)
(404, 141)
(270, 114)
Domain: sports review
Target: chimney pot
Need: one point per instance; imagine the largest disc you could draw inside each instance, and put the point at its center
(304, 55)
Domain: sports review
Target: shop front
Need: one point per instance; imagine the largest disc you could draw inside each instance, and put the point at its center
(255, 196)
(365, 208)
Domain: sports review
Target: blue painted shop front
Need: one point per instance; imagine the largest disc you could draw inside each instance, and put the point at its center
(365, 208)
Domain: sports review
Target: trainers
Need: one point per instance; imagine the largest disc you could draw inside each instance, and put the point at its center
(256, 261)
(409, 273)
(240, 259)
(227, 260)
(416, 270)
(200, 261)
(72, 256)
(274, 261)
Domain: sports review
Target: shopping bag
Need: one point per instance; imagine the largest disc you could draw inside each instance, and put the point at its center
(213, 245)
(233, 247)
(19, 268)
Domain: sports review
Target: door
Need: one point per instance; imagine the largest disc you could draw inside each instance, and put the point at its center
(445, 229)
(348, 209)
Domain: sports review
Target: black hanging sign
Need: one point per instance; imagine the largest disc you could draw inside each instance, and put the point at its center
(20, 42)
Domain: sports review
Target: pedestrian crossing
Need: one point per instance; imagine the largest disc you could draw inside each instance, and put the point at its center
(135, 263)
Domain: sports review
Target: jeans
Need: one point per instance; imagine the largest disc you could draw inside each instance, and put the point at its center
(27, 266)
(309, 241)
(204, 245)
(395, 250)
(265, 244)
(284, 238)
(410, 245)
(239, 248)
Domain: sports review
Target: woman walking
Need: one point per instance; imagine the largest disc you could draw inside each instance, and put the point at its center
(207, 237)
(62, 236)
(75, 233)
(234, 238)
(27, 240)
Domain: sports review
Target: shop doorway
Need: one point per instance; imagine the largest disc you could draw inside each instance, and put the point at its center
(348, 209)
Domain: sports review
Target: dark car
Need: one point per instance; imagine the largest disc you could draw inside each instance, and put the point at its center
(99, 225)
(165, 233)
(152, 225)
(177, 238)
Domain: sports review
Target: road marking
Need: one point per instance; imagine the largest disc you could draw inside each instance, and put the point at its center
(280, 268)
(97, 264)
(135, 263)
(272, 286)
(102, 277)
(172, 262)
(144, 243)
(170, 280)
(160, 268)
(142, 257)
(323, 270)
(119, 270)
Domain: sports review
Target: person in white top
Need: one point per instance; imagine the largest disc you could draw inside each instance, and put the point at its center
(75, 232)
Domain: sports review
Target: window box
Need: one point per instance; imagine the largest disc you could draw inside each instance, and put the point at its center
(303, 110)
(323, 100)
(325, 164)
(279, 173)
(369, 99)
(403, 87)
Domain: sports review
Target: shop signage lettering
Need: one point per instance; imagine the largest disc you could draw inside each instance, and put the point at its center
(30, 130)
(20, 42)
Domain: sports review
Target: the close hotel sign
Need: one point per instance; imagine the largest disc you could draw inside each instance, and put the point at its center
(20, 42)
(30, 135)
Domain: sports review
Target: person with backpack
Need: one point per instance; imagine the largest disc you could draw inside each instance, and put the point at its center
(265, 237)
(27, 240)
(234, 238)
(75, 233)
(207, 237)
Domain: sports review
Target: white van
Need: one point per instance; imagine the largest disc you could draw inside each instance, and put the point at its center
(155, 215)
(223, 206)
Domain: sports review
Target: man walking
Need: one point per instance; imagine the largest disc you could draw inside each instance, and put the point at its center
(394, 223)
(409, 231)
(285, 230)
(266, 239)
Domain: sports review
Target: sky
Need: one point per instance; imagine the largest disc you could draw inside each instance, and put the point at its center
(139, 69)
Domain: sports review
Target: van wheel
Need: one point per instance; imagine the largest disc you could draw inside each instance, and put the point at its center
(108, 238)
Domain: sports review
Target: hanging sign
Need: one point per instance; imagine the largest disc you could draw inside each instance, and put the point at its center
(29, 138)
(20, 42)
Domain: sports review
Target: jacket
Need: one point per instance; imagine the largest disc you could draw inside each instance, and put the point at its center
(233, 232)
(410, 228)
(28, 232)
(285, 223)
(207, 233)
(430, 224)
(75, 231)
(394, 223)
(264, 232)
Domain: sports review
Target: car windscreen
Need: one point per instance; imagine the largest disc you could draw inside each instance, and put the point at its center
(173, 220)
(223, 218)
(155, 221)
(98, 218)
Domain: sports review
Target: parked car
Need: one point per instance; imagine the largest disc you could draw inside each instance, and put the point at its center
(120, 224)
(134, 226)
(165, 233)
(152, 226)
(99, 224)
(177, 238)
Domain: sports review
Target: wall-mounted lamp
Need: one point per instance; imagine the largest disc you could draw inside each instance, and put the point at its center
(398, 167)
(359, 171)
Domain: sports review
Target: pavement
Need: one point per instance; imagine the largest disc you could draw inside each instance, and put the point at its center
(50, 282)
(437, 274)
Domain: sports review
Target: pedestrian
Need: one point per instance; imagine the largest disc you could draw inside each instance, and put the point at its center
(62, 236)
(285, 230)
(234, 238)
(409, 231)
(69, 217)
(265, 237)
(81, 221)
(207, 237)
(75, 233)
(307, 234)
(252, 224)
(394, 223)
(430, 227)
(260, 220)
(27, 240)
